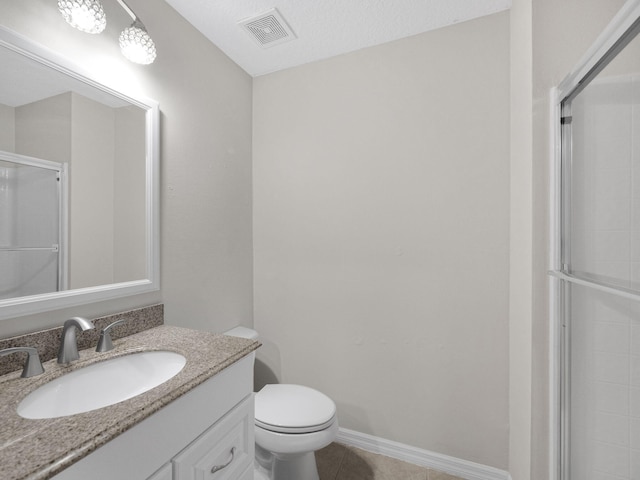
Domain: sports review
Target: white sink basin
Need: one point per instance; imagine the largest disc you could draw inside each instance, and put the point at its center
(101, 384)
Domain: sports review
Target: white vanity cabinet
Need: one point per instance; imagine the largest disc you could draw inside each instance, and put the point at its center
(209, 427)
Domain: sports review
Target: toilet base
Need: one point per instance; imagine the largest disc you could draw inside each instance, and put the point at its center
(297, 466)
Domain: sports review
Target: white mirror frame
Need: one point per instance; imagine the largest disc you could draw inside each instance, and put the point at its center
(16, 307)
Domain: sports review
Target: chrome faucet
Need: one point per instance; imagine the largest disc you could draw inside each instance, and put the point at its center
(68, 345)
(32, 366)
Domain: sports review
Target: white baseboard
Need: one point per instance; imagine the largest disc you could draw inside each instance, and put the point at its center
(436, 461)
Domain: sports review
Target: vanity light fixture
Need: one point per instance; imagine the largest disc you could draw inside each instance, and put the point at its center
(85, 15)
(135, 42)
(88, 16)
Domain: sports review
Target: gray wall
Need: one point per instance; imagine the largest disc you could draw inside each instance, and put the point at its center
(205, 100)
(381, 235)
(91, 193)
(7, 132)
(129, 195)
(43, 128)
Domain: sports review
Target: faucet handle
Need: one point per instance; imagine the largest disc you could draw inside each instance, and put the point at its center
(32, 366)
(104, 342)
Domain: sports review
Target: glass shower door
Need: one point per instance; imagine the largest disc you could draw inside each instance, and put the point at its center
(600, 270)
(30, 226)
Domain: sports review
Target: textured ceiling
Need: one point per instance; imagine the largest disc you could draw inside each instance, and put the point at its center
(324, 28)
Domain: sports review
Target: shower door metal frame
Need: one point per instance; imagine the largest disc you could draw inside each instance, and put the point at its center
(63, 195)
(621, 30)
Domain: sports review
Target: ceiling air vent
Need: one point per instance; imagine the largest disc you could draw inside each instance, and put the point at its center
(268, 29)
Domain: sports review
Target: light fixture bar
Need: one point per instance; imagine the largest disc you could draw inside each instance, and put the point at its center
(127, 9)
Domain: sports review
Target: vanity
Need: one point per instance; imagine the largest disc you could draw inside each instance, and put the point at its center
(199, 421)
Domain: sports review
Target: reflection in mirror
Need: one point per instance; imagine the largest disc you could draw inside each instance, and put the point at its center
(78, 200)
(31, 206)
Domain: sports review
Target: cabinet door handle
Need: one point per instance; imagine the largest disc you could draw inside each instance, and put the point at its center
(217, 468)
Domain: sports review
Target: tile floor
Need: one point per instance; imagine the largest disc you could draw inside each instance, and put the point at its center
(341, 462)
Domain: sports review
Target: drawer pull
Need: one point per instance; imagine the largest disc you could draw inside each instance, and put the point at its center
(217, 468)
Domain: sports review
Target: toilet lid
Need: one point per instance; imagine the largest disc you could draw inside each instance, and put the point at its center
(293, 409)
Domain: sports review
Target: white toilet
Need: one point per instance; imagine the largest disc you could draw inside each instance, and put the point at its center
(291, 423)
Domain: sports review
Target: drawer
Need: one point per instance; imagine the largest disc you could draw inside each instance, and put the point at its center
(227, 448)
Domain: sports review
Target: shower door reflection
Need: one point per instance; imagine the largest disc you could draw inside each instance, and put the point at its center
(31, 247)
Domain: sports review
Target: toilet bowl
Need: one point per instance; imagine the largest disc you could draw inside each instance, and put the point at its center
(291, 423)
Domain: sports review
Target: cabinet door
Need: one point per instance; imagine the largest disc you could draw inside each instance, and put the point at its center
(224, 451)
(164, 473)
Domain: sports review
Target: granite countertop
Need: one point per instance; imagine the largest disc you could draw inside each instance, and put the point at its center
(38, 449)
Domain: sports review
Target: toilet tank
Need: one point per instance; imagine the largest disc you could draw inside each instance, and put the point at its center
(242, 332)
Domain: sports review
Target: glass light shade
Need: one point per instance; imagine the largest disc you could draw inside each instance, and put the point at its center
(136, 44)
(85, 15)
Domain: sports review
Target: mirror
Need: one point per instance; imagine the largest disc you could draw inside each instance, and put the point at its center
(78, 184)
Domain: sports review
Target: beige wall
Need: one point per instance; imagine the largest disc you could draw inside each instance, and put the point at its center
(205, 102)
(381, 228)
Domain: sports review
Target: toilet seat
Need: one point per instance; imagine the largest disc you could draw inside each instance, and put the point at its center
(285, 408)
